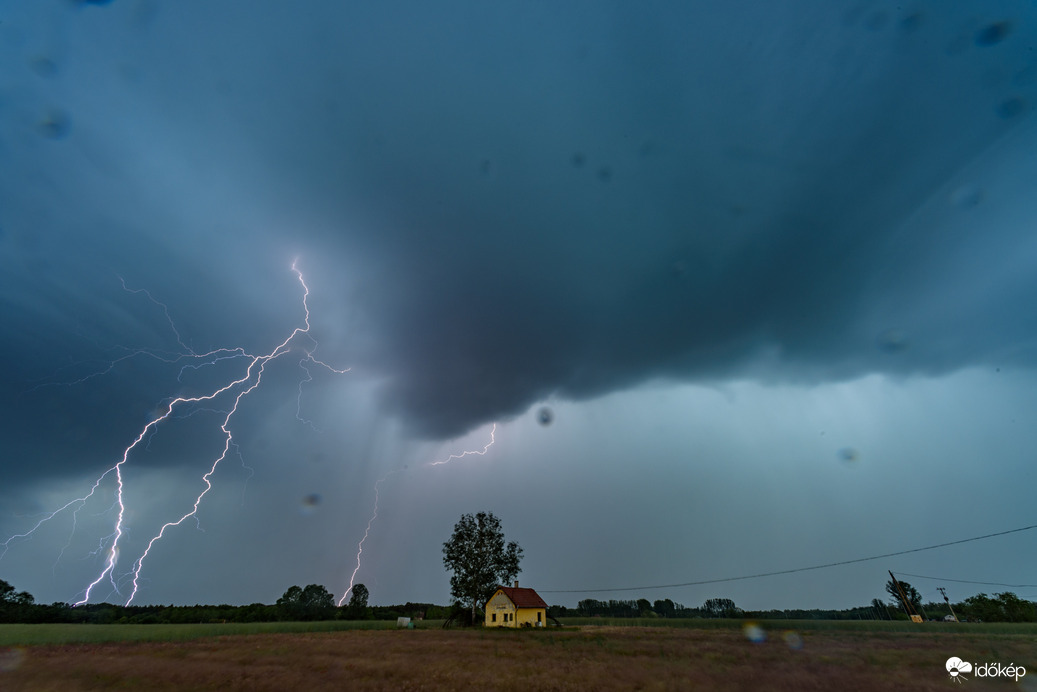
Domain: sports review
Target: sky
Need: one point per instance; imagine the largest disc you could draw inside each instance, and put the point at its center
(715, 289)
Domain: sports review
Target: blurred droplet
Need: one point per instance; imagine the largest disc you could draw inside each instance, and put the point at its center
(10, 659)
(605, 174)
(55, 125)
(967, 196)
(754, 633)
(579, 159)
(793, 640)
(849, 454)
(310, 503)
(43, 66)
(545, 415)
(993, 33)
(892, 341)
(912, 22)
(1011, 107)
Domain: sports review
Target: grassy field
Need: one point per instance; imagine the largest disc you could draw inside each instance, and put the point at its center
(800, 655)
(27, 635)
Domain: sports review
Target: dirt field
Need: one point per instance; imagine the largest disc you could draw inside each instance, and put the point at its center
(591, 658)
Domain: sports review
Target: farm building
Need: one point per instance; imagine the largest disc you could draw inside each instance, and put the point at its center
(515, 607)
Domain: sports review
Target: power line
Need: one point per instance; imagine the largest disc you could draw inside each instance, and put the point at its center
(798, 569)
(966, 581)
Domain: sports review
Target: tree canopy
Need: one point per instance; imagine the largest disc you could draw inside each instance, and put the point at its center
(356, 609)
(312, 603)
(911, 592)
(479, 559)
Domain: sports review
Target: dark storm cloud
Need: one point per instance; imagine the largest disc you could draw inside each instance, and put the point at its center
(508, 202)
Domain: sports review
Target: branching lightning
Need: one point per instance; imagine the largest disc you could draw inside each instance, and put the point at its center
(367, 532)
(462, 455)
(377, 483)
(237, 388)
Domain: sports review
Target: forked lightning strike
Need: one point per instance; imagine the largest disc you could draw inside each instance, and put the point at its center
(374, 514)
(244, 385)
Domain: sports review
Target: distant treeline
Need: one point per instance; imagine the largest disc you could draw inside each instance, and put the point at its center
(1001, 607)
(315, 603)
(107, 613)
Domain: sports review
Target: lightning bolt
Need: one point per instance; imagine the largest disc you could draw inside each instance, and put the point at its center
(240, 388)
(462, 455)
(367, 531)
(377, 483)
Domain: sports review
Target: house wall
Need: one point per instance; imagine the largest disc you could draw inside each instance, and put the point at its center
(528, 616)
(501, 612)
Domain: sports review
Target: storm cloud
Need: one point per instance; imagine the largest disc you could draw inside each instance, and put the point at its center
(499, 205)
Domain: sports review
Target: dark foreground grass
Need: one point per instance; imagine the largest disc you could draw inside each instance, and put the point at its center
(602, 657)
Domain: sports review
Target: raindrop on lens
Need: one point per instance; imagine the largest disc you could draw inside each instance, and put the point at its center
(892, 341)
(754, 633)
(310, 504)
(849, 454)
(11, 659)
(793, 640)
(545, 415)
(966, 196)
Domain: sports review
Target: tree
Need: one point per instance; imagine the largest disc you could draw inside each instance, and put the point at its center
(312, 603)
(880, 609)
(15, 607)
(721, 608)
(356, 609)
(665, 608)
(911, 592)
(480, 560)
(1003, 607)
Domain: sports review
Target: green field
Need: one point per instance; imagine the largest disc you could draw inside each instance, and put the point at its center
(29, 635)
(1019, 628)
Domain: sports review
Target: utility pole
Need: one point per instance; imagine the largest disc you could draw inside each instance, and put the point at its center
(915, 617)
(944, 592)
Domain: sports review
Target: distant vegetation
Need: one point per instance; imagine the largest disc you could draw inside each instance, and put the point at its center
(314, 603)
(1001, 607)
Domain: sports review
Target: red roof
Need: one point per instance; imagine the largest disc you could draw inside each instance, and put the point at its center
(523, 598)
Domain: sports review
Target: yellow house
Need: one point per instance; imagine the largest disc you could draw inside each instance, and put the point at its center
(515, 607)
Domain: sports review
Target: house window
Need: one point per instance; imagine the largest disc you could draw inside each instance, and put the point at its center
(538, 616)
(493, 617)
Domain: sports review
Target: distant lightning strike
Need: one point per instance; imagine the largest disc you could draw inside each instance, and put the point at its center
(367, 531)
(249, 382)
(462, 455)
(374, 514)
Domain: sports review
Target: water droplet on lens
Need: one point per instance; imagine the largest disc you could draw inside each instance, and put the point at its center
(55, 125)
(310, 504)
(892, 341)
(793, 640)
(754, 633)
(545, 415)
(849, 454)
(967, 196)
(1009, 108)
(11, 659)
(994, 33)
